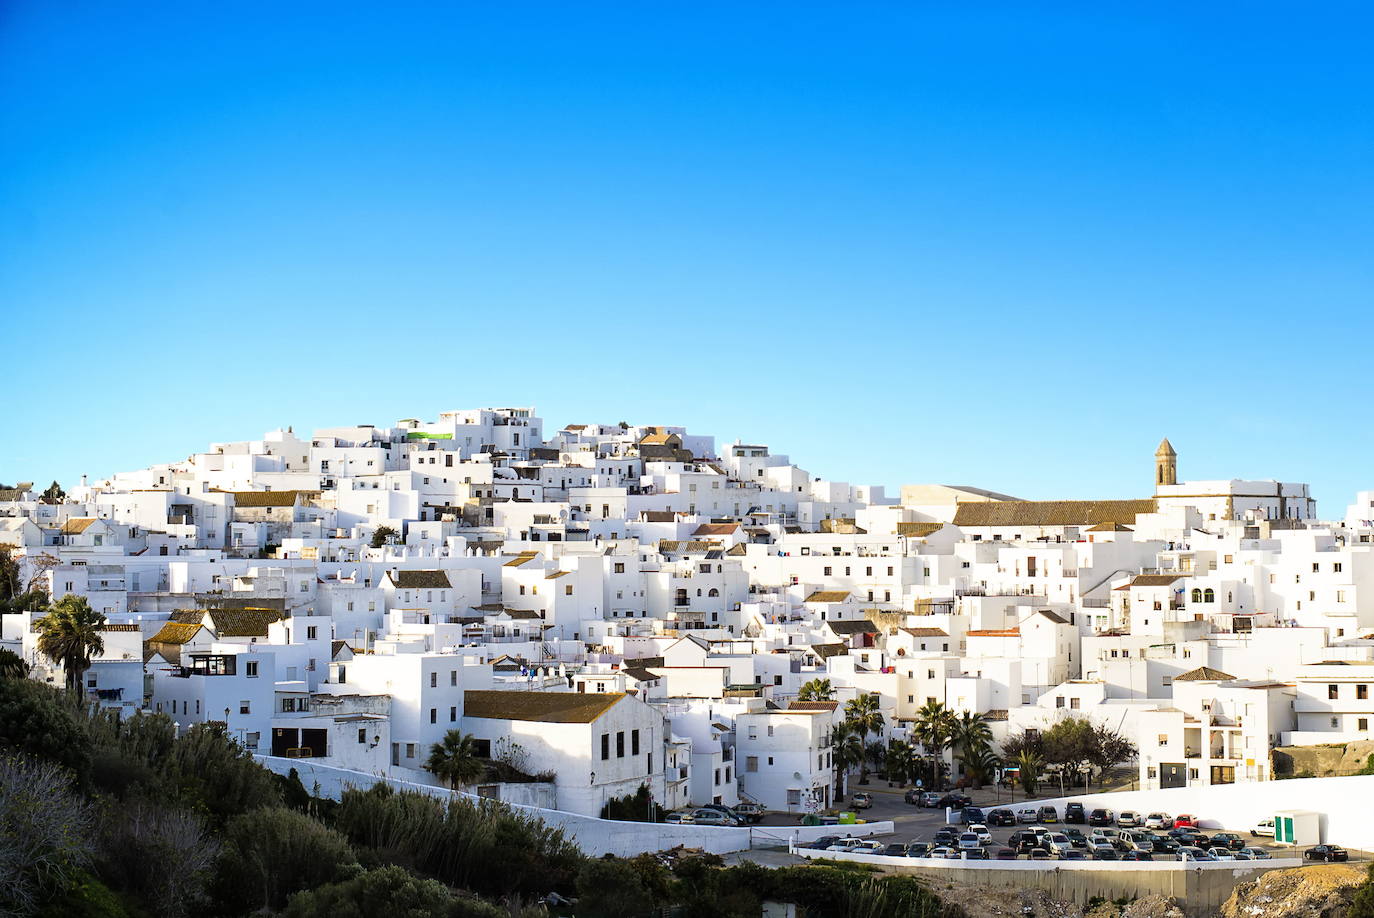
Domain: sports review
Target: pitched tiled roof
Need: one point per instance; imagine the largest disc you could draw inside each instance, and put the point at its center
(243, 622)
(864, 627)
(658, 516)
(813, 706)
(826, 651)
(1204, 674)
(187, 616)
(1110, 527)
(521, 558)
(265, 498)
(175, 633)
(1050, 512)
(77, 524)
(716, 529)
(926, 632)
(413, 580)
(543, 707)
(639, 674)
(918, 530)
(996, 632)
(1154, 580)
(828, 596)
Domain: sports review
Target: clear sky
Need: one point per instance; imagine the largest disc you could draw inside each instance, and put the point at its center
(1009, 246)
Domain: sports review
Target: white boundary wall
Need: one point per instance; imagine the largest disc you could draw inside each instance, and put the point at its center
(1346, 805)
(594, 836)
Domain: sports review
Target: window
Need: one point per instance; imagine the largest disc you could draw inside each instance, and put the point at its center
(452, 714)
(1333, 691)
(827, 572)
(310, 633)
(634, 742)
(250, 669)
(362, 735)
(1335, 722)
(433, 680)
(619, 568)
(1362, 691)
(1059, 701)
(245, 707)
(793, 797)
(605, 746)
(434, 715)
(1073, 703)
(453, 677)
(620, 744)
(1336, 567)
(1163, 739)
(770, 729)
(410, 750)
(1362, 724)
(751, 763)
(567, 590)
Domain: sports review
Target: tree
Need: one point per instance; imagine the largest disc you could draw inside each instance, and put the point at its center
(454, 760)
(1110, 749)
(54, 494)
(613, 888)
(11, 579)
(934, 731)
(12, 666)
(383, 534)
(69, 635)
(970, 737)
(44, 834)
(270, 853)
(848, 752)
(863, 714)
(899, 761)
(1030, 765)
(816, 690)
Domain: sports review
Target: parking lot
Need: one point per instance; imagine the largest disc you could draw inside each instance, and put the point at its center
(913, 824)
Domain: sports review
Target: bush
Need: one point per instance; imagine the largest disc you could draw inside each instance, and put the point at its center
(387, 891)
(216, 776)
(40, 721)
(612, 888)
(163, 856)
(271, 853)
(487, 848)
(44, 833)
(636, 807)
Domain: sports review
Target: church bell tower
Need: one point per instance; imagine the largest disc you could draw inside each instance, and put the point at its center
(1166, 464)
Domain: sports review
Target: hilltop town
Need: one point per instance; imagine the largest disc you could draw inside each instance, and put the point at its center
(608, 606)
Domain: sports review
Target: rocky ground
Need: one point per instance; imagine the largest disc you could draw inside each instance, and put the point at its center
(1323, 891)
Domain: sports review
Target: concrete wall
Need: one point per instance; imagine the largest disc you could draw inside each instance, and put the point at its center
(594, 836)
(765, 836)
(1343, 803)
(1201, 888)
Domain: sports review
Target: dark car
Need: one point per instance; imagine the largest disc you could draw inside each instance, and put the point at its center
(825, 841)
(912, 797)
(896, 849)
(1101, 818)
(1030, 845)
(955, 800)
(1228, 840)
(1004, 854)
(1073, 812)
(1073, 854)
(1001, 817)
(1020, 835)
(1163, 844)
(971, 814)
(1326, 853)
(1104, 853)
(976, 854)
(918, 849)
(945, 838)
(1137, 856)
(1039, 854)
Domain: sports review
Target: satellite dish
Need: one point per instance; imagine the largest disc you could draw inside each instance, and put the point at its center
(797, 775)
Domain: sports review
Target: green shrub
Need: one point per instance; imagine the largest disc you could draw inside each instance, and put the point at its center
(273, 852)
(387, 891)
(41, 721)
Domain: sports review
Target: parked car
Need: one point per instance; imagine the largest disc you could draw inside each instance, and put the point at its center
(1038, 854)
(1101, 817)
(678, 818)
(751, 812)
(895, 849)
(982, 832)
(918, 849)
(943, 853)
(1073, 854)
(1073, 812)
(861, 801)
(1028, 814)
(1228, 840)
(1109, 834)
(1106, 853)
(1004, 854)
(1184, 819)
(1059, 844)
(1191, 853)
(711, 817)
(971, 814)
(1159, 821)
(1128, 819)
(842, 844)
(969, 840)
(1001, 817)
(868, 846)
(825, 841)
(1137, 855)
(1048, 814)
(1265, 827)
(1076, 836)
(1326, 853)
(912, 797)
(975, 854)
(945, 838)
(931, 799)
(1163, 844)
(955, 800)
(1257, 854)
(1221, 853)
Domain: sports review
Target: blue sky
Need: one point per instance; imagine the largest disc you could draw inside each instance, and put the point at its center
(1000, 245)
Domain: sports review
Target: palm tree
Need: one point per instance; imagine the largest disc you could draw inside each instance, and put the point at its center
(816, 690)
(898, 758)
(1030, 764)
(984, 763)
(848, 751)
(863, 714)
(933, 730)
(455, 761)
(69, 635)
(970, 736)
